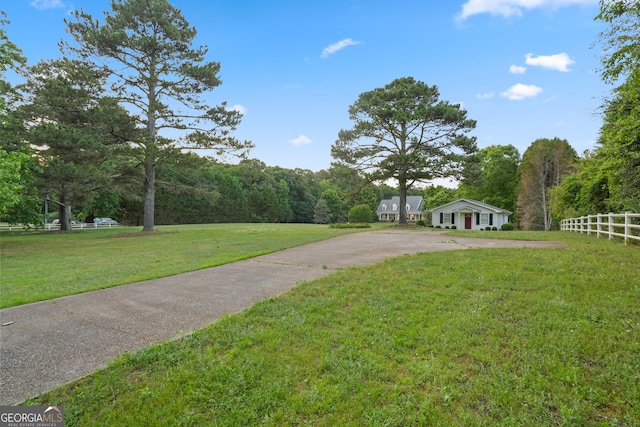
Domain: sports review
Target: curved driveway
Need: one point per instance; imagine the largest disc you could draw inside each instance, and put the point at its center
(50, 343)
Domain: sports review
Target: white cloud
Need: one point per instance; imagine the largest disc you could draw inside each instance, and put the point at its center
(301, 140)
(239, 108)
(559, 62)
(516, 69)
(508, 8)
(519, 91)
(329, 50)
(47, 4)
(485, 95)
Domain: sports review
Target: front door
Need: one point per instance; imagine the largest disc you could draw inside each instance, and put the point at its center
(467, 221)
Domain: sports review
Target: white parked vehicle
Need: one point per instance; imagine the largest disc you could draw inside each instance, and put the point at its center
(105, 221)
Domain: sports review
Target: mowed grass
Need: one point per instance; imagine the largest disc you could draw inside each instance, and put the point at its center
(527, 337)
(41, 266)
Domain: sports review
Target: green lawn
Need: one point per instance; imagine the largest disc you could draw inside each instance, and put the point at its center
(504, 337)
(45, 265)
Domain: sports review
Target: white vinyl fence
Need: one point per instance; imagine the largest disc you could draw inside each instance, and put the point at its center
(626, 225)
(50, 226)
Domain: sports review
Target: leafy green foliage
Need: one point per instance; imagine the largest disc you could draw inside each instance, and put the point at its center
(496, 179)
(438, 195)
(77, 131)
(585, 192)
(322, 213)
(360, 213)
(620, 144)
(11, 179)
(615, 185)
(10, 58)
(619, 42)
(349, 225)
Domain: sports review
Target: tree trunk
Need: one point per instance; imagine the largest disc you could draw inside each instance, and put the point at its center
(149, 195)
(150, 158)
(402, 183)
(64, 213)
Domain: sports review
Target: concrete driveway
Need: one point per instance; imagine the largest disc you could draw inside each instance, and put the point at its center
(47, 344)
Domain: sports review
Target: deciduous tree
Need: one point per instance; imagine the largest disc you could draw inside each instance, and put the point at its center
(405, 132)
(585, 192)
(496, 180)
(543, 167)
(619, 151)
(618, 43)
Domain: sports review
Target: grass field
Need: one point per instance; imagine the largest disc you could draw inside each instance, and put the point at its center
(472, 338)
(45, 265)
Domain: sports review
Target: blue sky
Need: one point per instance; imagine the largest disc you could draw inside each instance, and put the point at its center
(524, 69)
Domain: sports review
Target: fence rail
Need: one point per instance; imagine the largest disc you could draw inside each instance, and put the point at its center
(626, 225)
(50, 226)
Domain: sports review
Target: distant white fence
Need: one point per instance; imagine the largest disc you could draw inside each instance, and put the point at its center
(50, 226)
(612, 225)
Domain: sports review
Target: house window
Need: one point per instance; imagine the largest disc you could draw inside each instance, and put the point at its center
(447, 218)
(484, 219)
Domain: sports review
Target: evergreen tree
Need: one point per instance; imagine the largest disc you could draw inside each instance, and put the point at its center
(146, 47)
(404, 132)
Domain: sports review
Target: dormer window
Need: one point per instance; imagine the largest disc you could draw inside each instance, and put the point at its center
(395, 207)
(384, 207)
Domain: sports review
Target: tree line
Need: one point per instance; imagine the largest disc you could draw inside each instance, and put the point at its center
(90, 140)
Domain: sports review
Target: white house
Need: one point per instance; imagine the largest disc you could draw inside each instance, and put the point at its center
(467, 214)
(389, 209)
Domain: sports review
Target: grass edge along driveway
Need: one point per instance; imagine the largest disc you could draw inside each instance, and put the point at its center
(478, 337)
(45, 265)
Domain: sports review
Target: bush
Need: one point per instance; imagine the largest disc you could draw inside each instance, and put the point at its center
(360, 213)
(488, 228)
(453, 227)
(494, 228)
(421, 223)
(507, 227)
(348, 225)
(437, 226)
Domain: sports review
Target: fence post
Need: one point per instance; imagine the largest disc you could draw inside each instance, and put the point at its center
(588, 225)
(627, 229)
(598, 225)
(610, 225)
